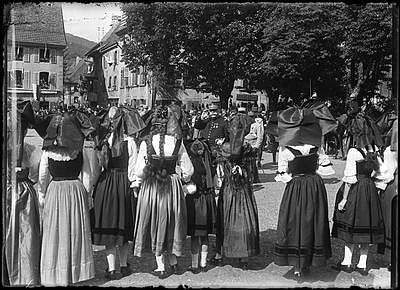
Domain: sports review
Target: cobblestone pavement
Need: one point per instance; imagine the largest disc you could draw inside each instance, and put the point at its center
(262, 273)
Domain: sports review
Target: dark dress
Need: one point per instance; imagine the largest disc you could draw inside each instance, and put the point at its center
(114, 204)
(361, 221)
(250, 161)
(237, 215)
(201, 206)
(386, 198)
(23, 238)
(303, 227)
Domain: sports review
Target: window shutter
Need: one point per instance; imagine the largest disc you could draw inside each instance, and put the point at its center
(52, 81)
(13, 79)
(35, 78)
(27, 80)
(27, 55)
(122, 83)
(9, 79)
(53, 56)
(9, 53)
(36, 55)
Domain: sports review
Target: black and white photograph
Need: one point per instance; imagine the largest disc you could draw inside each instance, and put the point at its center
(200, 145)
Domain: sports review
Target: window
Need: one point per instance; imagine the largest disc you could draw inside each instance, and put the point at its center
(122, 79)
(18, 78)
(44, 55)
(115, 83)
(44, 80)
(115, 57)
(19, 53)
(109, 82)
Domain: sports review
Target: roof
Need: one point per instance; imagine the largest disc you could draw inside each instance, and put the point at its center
(73, 73)
(38, 23)
(109, 40)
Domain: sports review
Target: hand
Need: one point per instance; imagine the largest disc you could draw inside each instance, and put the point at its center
(342, 204)
(41, 201)
(219, 141)
(204, 115)
(135, 191)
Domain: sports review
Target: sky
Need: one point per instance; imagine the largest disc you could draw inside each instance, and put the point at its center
(83, 20)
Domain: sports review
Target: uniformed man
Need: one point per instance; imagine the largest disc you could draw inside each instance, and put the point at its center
(213, 127)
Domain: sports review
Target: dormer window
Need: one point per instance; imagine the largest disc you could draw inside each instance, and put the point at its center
(44, 55)
(19, 53)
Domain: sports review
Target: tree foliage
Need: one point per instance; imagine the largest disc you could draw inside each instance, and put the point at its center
(340, 49)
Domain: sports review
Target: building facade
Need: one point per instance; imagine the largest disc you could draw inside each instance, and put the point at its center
(35, 45)
(120, 85)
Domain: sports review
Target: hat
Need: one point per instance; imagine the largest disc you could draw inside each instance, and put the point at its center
(363, 131)
(298, 126)
(325, 119)
(242, 109)
(66, 132)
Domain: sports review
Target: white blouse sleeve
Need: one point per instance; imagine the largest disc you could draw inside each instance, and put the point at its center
(132, 151)
(350, 170)
(390, 161)
(140, 164)
(185, 165)
(283, 158)
(379, 175)
(44, 175)
(86, 172)
(260, 135)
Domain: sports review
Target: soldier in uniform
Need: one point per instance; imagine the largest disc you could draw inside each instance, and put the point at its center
(214, 128)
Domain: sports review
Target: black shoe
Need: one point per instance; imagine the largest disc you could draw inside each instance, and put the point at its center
(305, 271)
(203, 269)
(126, 270)
(244, 265)
(160, 274)
(363, 271)
(216, 262)
(194, 270)
(174, 269)
(110, 275)
(346, 268)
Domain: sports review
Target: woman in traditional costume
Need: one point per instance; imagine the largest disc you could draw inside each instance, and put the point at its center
(66, 255)
(358, 217)
(200, 203)
(253, 142)
(237, 215)
(23, 237)
(387, 195)
(162, 165)
(303, 228)
(113, 217)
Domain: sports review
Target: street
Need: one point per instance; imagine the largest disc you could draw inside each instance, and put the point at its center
(262, 270)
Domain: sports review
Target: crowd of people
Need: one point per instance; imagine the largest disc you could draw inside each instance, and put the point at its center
(114, 176)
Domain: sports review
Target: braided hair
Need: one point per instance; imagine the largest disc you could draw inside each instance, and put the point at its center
(159, 126)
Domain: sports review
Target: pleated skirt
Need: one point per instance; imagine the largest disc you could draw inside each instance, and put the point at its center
(386, 198)
(201, 213)
(361, 221)
(66, 255)
(23, 238)
(161, 218)
(114, 210)
(303, 237)
(237, 219)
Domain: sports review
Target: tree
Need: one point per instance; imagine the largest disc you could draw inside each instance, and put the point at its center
(301, 44)
(367, 47)
(210, 44)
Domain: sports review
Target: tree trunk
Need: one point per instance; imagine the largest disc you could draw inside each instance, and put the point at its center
(225, 94)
